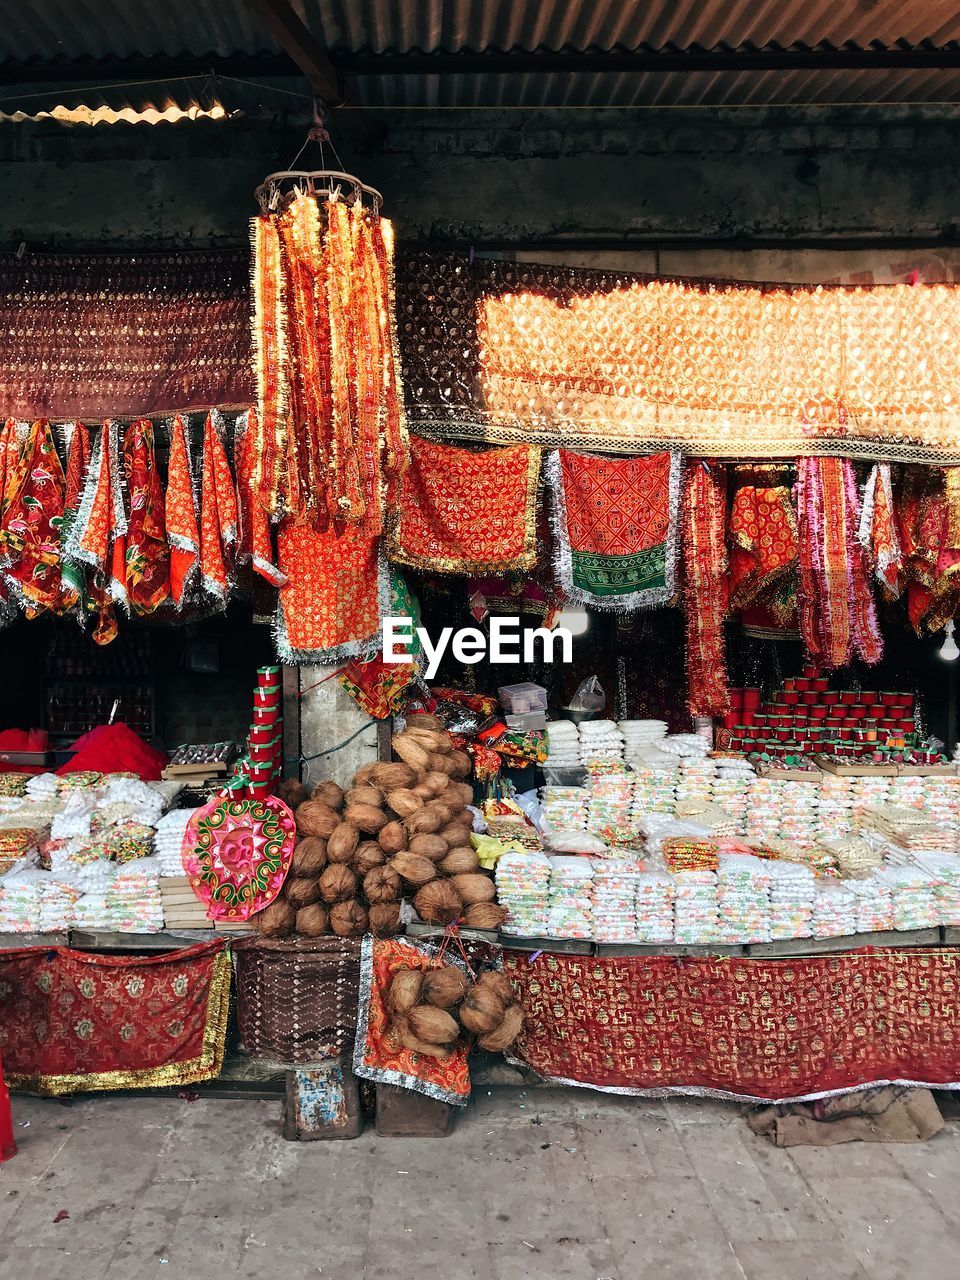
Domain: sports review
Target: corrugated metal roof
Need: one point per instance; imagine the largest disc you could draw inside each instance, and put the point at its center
(71, 31)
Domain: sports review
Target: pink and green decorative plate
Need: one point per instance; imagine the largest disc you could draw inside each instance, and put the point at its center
(237, 854)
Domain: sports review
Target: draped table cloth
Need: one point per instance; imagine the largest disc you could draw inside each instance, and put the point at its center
(76, 1021)
(747, 1028)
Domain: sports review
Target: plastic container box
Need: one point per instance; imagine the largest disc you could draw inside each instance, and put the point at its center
(521, 698)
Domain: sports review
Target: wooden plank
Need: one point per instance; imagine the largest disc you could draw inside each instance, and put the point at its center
(289, 31)
(845, 942)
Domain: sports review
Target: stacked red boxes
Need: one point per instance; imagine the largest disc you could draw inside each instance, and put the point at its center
(806, 716)
(266, 733)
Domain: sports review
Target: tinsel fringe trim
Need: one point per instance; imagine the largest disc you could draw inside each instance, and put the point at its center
(362, 648)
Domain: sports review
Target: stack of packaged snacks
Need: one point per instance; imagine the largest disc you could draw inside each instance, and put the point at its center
(874, 899)
(743, 898)
(571, 886)
(654, 787)
(944, 871)
(565, 808)
(563, 745)
(601, 742)
(834, 910)
(696, 912)
(792, 893)
(610, 801)
(914, 897)
(654, 906)
(523, 890)
(613, 900)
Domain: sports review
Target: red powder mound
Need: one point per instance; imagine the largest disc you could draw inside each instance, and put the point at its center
(22, 740)
(115, 748)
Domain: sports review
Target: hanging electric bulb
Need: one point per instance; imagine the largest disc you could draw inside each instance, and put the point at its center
(948, 650)
(576, 621)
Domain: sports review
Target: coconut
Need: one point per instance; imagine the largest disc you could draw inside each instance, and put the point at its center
(382, 884)
(348, 919)
(367, 856)
(309, 857)
(315, 818)
(313, 921)
(483, 915)
(424, 792)
(439, 781)
(410, 751)
(457, 832)
(404, 802)
(474, 887)
(438, 903)
(497, 982)
(293, 793)
(364, 776)
(459, 764)
(428, 846)
(368, 794)
(445, 987)
(410, 1041)
(413, 869)
(301, 891)
(337, 884)
(392, 837)
(342, 844)
(504, 1035)
(460, 861)
(384, 918)
(464, 791)
(436, 1026)
(429, 739)
(330, 793)
(404, 991)
(447, 813)
(365, 817)
(276, 921)
(423, 720)
(424, 822)
(441, 764)
(390, 776)
(482, 1010)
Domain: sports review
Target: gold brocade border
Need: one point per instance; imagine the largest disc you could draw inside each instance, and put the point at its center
(205, 1067)
(699, 442)
(460, 564)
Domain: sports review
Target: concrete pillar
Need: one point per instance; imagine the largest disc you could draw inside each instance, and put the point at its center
(328, 716)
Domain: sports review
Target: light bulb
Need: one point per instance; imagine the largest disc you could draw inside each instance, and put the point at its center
(948, 650)
(576, 621)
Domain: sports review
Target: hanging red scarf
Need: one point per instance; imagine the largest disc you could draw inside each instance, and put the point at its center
(98, 537)
(218, 519)
(837, 615)
(878, 532)
(763, 541)
(256, 544)
(930, 517)
(180, 514)
(72, 577)
(147, 555)
(704, 522)
(31, 522)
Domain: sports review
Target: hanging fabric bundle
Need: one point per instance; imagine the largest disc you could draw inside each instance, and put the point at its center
(98, 535)
(838, 619)
(930, 531)
(148, 553)
(329, 433)
(762, 532)
(704, 523)
(180, 514)
(256, 547)
(878, 533)
(218, 514)
(30, 550)
(72, 576)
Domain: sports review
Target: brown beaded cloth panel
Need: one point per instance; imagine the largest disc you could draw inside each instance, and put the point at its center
(555, 355)
(95, 335)
(297, 1000)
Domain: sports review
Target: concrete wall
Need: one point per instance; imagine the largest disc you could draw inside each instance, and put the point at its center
(576, 178)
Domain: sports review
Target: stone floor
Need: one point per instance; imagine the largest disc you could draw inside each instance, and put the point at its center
(551, 1184)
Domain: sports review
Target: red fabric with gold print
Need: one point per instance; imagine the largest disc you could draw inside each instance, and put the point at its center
(31, 523)
(147, 552)
(749, 1027)
(72, 1021)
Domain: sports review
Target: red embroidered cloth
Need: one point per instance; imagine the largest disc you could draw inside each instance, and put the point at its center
(148, 553)
(763, 541)
(74, 1021)
(467, 512)
(31, 522)
(704, 519)
(760, 1029)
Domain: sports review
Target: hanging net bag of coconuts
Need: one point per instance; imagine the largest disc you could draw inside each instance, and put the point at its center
(402, 830)
(422, 1010)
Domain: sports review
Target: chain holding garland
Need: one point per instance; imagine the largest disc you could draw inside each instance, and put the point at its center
(330, 433)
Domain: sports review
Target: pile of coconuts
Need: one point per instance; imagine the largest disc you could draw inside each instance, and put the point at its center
(434, 1012)
(402, 830)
